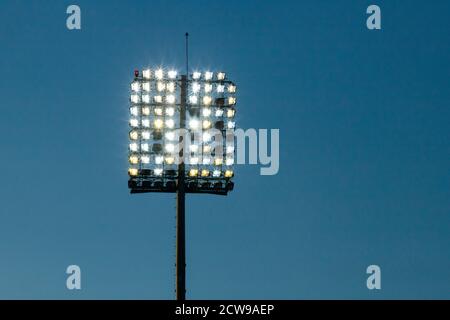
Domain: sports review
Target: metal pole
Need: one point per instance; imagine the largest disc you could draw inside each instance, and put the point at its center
(181, 237)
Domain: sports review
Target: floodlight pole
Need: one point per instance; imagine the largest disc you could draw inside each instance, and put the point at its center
(181, 236)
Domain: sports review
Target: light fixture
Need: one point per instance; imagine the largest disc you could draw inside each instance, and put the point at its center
(206, 124)
(196, 87)
(146, 111)
(146, 86)
(193, 99)
(208, 87)
(206, 112)
(170, 99)
(170, 135)
(133, 147)
(228, 173)
(133, 172)
(170, 111)
(170, 123)
(172, 74)
(205, 173)
(160, 86)
(135, 98)
(230, 113)
(193, 161)
(144, 147)
(207, 100)
(159, 74)
(170, 147)
(209, 75)
(193, 124)
(134, 111)
(206, 137)
(193, 148)
(196, 75)
(146, 98)
(170, 160)
(158, 123)
(193, 172)
(207, 149)
(134, 122)
(170, 86)
(146, 74)
(135, 86)
(134, 159)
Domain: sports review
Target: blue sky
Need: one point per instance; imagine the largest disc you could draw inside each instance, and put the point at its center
(364, 151)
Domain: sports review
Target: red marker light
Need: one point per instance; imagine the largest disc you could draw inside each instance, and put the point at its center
(136, 73)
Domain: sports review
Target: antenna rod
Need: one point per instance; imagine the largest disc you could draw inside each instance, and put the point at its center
(187, 54)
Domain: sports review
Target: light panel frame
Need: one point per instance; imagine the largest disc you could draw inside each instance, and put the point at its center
(155, 104)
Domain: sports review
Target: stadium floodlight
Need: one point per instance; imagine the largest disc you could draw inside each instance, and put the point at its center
(208, 75)
(167, 109)
(146, 74)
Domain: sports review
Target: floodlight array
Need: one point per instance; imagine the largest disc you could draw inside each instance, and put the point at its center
(208, 155)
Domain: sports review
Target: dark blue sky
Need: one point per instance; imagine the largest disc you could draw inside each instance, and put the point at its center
(364, 165)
